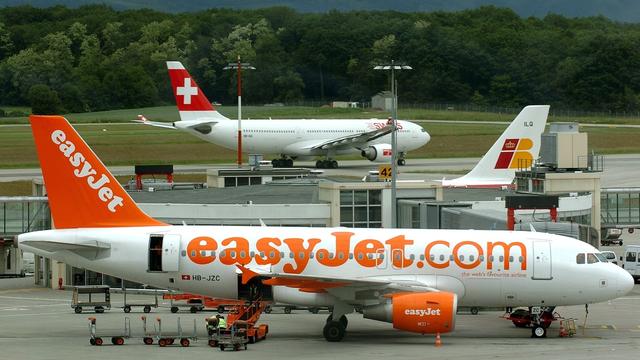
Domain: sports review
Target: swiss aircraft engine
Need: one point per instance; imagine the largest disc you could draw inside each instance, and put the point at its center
(377, 153)
(424, 313)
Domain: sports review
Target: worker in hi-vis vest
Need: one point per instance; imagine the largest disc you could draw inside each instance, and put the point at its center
(222, 322)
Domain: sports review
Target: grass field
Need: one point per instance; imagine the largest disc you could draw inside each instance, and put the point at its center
(127, 144)
(170, 113)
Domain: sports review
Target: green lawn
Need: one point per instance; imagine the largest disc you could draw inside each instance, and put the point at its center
(126, 144)
(170, 113)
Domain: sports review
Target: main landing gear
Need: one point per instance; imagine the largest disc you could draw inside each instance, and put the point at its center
(335, 330)
(326, 164)
(400, 161)
(282, 163)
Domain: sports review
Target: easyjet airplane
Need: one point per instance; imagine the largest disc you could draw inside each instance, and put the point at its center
(516, 148)
(414, 279)
(292, 139)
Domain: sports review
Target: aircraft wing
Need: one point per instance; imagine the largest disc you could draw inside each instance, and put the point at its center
(143, 120)
(355, 140)
(347, 289)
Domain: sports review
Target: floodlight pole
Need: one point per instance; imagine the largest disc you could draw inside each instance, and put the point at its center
(394, 113)
(238, 66)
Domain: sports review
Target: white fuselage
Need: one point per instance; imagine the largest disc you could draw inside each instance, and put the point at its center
(298, 137)
(484, 268)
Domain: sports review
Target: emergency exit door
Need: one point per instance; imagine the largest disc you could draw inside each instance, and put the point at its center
(542, 260)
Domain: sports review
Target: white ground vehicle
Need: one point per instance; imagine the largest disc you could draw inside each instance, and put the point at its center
(631, 261)
(611, 256)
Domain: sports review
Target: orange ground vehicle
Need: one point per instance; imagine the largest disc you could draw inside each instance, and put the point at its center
(197, 303)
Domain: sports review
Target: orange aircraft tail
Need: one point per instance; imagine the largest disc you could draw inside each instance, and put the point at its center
(82, 192)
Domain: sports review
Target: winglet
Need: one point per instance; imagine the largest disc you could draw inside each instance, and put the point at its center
(81, 190)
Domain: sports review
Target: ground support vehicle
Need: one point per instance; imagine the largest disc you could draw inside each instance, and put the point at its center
(84, 297)
(631, 261)
(146, 307)
(250, 313)
(117, 339)
(165, 339)
(234, 337)
(538, 319)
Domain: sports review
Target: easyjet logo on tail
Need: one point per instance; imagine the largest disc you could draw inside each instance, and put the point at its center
(84, 170)
(515, 154)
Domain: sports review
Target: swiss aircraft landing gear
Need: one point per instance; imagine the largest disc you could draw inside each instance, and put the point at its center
(401, 161)
(326, 164)
(335, 330)
(282, 163)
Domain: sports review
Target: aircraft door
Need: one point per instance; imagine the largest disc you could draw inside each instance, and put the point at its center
(171, 252)
(542, 260)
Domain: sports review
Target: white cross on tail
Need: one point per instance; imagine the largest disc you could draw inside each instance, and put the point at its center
(187, 91)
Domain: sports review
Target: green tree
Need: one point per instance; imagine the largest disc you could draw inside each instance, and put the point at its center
(44, 101)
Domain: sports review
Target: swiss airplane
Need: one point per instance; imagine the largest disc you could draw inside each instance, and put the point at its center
(412, 278)
(516, 148)
(292, 139)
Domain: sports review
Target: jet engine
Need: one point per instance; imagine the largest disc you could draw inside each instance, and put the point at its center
(424, 313)
(377, 153)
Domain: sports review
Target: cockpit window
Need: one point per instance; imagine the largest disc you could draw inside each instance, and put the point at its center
(601, 257)
(580, 258)
(591, 259)
(423, 130)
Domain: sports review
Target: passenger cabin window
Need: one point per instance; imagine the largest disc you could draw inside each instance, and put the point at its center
(580, 258)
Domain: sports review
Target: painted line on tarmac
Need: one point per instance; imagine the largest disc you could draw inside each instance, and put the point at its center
(31, 306)
(33, 299)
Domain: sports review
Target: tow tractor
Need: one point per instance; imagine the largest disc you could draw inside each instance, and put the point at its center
(538, 318)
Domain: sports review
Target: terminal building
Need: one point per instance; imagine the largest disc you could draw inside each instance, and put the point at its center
(574, 205)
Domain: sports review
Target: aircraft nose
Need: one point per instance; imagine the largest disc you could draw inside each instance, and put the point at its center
(625, 282)
(426, 137)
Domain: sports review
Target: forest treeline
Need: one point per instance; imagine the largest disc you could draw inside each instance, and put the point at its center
(96, 58)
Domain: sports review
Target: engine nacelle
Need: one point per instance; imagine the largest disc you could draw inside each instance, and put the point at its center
(377, 153)
(424, 313)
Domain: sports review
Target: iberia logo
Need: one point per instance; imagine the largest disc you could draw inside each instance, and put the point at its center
(515, 154)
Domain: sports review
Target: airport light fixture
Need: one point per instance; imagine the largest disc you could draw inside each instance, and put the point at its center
(238, 66)
(393, 67)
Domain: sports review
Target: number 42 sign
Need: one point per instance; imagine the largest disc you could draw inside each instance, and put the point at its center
(384, 172)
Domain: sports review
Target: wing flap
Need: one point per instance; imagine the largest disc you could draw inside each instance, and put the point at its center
(354, 140)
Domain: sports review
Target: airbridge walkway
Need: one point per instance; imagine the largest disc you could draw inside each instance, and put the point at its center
(620, 208)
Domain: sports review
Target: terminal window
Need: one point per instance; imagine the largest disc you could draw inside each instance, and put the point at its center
(361, 208)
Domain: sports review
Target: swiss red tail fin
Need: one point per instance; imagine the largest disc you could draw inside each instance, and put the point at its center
(82, 192)
(188, 95)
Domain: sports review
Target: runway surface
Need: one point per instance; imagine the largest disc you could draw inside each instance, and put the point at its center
(619, 170)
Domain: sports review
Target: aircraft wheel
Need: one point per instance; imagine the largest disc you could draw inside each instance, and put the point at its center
(287, 310)
(474, 311)
(174, 309)
(319, 164)
(288, 163)
(78, 309)
(333, 164)
(98, 341)
(184, 342)
(333, 331)
(538, 331)
(147, 341)
(401, 162)
(92, 341)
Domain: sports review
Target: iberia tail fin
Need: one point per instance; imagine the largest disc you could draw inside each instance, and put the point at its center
(82, 192)
(191, 101)
(517, 148)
